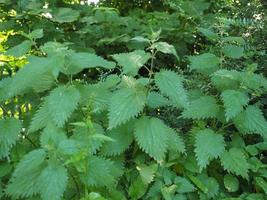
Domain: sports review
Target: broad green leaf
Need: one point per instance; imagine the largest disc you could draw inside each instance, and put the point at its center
(262, 183)
(76, 62)
(37, 34)
(147, 173)
(208, 33)
(183, 185)
(226, 79)
(208, 146)
(65, 15)
(131, 62)
(137, 188)
(155, 100)
(231, 39)
(233, 51)
(122, 136)
(41, 68)
(41, 118)
(25, 177)
(204, 63)
(61, 102)
(202, 108)
(171, 85)
(233, 101)
(175, 142)
(231, 183)
(20, 50)
(52, 182)
(4, 88)
(251, 121)
(51, 136)
(211, 184)
(234, 161)
(105, 176)
(166, 48)
(194, 8)
(152, 136)
(87, 139)
(125, 104)
(9, 133)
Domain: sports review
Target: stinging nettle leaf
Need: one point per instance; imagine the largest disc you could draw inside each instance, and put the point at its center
(21, 49)
(204, 63)
(24, 179)
(61, 102)
(122, 136)
(233, 101)
(65, 15)
(208, 146)
(52, 182)
(125, 104)
(166, 48)
(251, 121)
(76, 62)
(152, 136)
(231, 183)
(202, 108)
(235, 161)
(132, 62)
(104, 177)
(171, 85)
(9, 134)
(233, 51)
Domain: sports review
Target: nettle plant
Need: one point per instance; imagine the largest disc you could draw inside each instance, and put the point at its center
(76, 125)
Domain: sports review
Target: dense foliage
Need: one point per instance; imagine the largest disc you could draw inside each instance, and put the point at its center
(133, 100)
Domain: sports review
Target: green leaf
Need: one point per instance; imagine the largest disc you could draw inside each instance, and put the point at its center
(41, 118)
(183, 185)
(103, 177)
(226, 79)
(152, 136)
(231, 183)
(235, 161)
(65, 15)
(137, 189)
(122, 136)
(132, 62)
(262, 183)
(62, 101)
(211, 184)
(20, 50)
(166, 48)
(251, 121)
(147, 173)
(76, 62)
(125, 104)
(9, 134)
(155, 100)
(208, 33)
(194, 8)
(175, 142)
(37, 34)
(234, 101)
(171, 85)
(52, 182)
(204, 63)
(51, 136)
(41, 68)
(208, 146)
(233, 51)
(25, 177)
(202, 108)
